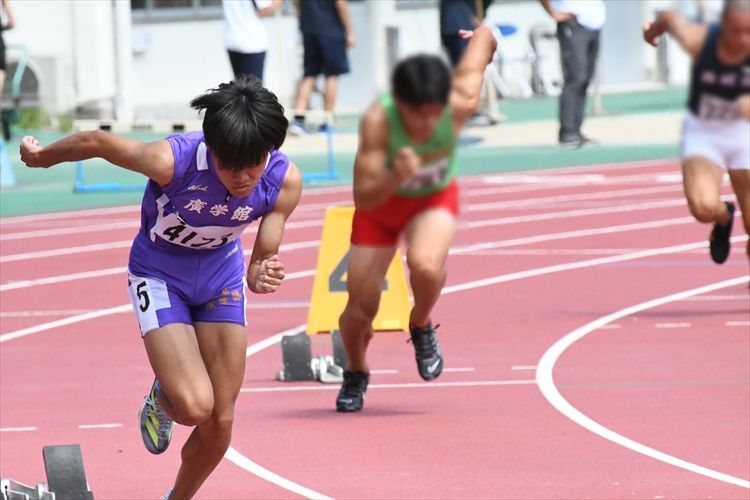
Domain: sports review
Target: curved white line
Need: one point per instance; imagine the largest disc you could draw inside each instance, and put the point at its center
(244, 462)
(546, 383)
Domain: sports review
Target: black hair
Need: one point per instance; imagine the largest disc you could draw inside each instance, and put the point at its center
(242, 121)
(421, 79)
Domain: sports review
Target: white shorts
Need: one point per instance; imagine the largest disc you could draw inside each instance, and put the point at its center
(725, 143)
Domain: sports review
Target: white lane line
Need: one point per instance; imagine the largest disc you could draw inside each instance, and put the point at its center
(613, 326)
(578, 233)
(715, 298)
(17, 429)
(268, 304)
(737, 323)
(672, 325)
(63, 322)
(523, 367)
(582, 212)
(460, 369)
(503, 278)
(14, 285)
(96, 247)
(100, 426)
(546, 383)
(414, 385)
(597, 195)
(37, 314)
(384, 371)
(92, 228)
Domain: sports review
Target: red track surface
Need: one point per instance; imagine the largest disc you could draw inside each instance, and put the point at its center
(675, 377)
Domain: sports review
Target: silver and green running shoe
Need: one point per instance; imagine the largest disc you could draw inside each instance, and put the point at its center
(156, 426)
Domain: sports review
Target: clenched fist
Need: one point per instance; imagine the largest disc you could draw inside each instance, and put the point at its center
(406, 164)
(29, 149)
(270, 275)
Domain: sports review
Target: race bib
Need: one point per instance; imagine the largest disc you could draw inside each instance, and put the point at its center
(432, 174)
(174, 229)
(715, 108)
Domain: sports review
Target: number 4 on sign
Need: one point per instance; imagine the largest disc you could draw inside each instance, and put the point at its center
(336, 282)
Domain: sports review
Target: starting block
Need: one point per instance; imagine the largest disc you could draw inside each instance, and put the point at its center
(299, 364)
(66, 478)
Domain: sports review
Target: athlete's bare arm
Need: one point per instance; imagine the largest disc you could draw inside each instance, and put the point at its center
(374, 182)
(467, 81)
(690, 36)
(265, 271)
(154, 160)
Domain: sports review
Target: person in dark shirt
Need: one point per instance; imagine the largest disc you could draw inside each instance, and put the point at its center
(326, 34)
(716, 128)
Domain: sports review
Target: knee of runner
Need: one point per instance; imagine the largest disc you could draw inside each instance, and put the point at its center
(361, 310)
(220, 426)
(703, 209)
(193, 408)
(426, 268)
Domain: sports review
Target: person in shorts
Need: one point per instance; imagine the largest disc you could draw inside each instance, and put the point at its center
(327, 33)
(187, 273)
(716, 127)
(404, 184)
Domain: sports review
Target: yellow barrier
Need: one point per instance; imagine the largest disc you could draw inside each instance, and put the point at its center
(329, 288)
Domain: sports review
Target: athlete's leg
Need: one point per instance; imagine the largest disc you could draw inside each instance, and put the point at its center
(222, 346)
(303, 93)
(741, 184)
(702, 179)
(186, 393)
(365, 274)
(428, 238)
(330, 92)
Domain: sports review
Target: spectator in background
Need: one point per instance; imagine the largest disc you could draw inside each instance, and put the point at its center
(245, 36)
(578, 25)
(458, 15)
(326, 34)
(7, 22)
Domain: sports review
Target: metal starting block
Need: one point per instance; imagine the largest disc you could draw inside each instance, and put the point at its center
(66, 478)
(299, 365)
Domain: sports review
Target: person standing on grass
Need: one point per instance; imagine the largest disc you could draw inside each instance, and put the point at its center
(186, 274)
(578, 25)
(404, 184)
(245, 35)
(716, 128)
(327, 33)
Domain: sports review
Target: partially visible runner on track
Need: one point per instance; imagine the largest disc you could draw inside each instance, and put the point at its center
(716, 128)
(404, 184)
(186, 274)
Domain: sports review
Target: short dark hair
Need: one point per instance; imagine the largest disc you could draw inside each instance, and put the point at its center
(422, 79)
(242, 121)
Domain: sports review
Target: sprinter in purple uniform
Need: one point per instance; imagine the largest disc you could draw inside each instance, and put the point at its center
(186, 271)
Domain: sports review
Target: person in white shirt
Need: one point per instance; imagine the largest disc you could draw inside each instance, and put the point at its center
(245, 36)
(578, 25)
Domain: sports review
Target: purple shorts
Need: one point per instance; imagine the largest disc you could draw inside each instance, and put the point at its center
(185, 286)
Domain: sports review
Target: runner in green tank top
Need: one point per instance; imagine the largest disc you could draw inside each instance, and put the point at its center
(437, 155)
(404, 183)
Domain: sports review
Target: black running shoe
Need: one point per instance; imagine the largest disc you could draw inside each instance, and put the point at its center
(352, 394)
(427, 351)
(719, 240)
